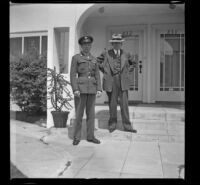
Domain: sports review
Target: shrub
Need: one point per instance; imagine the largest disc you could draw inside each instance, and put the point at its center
(28, 82)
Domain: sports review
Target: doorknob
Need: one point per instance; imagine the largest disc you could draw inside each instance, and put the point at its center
(140, 66)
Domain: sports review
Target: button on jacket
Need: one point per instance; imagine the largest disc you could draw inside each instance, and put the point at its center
(84, 74)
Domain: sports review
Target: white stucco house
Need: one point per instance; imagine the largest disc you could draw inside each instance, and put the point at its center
(154, 32)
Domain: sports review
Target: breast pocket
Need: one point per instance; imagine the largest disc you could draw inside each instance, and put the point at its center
(82, 66)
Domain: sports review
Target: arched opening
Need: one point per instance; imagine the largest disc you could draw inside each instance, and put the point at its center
(139, 25)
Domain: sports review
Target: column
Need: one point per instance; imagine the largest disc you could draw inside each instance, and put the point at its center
(50, 65)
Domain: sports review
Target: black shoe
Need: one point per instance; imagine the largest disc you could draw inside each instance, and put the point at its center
(129, 128)
(76, 141)
(94, 140)
(112, 128)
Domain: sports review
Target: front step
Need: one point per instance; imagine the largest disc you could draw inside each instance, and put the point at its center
(147, 130)
(152, 124)
(164, 114)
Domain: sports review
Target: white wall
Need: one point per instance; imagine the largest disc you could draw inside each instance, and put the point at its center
(41, 16)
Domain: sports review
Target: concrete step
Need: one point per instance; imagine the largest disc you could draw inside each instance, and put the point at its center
(152, 123)
(141, 135)
(147, 130)
(142, 124)
(147, 113)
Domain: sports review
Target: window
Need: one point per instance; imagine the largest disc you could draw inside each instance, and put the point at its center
(62, 47)
(31, 43)
(15, 47)
(44, 45)
(22, 43)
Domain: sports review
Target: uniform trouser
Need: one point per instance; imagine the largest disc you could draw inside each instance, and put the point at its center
(85, 101)
(113, 99)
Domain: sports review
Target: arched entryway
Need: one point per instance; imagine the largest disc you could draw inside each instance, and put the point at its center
(139, 24)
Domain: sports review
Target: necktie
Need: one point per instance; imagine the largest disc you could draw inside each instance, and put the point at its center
(118, 54)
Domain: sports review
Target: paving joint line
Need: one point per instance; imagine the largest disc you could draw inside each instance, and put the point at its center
(126, 155)
(168, 131)
(165, 112)
(78, 171)
(161, 159)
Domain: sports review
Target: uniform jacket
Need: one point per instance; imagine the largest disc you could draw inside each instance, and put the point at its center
(84, 74)
(106, 63)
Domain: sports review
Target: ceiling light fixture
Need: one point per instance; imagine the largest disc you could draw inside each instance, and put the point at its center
(101, 10)
(172, 6)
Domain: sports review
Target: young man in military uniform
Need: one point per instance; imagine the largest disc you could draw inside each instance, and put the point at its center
(116, 65)
(86, 85)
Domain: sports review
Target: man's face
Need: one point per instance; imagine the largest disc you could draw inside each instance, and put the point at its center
(117, 45)
(86, 47)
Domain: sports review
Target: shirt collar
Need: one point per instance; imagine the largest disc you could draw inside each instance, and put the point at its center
(88, 57)
(115, 51)
(84, 54)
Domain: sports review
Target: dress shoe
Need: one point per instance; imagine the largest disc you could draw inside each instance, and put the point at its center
(76, 142)
(112, 128)
(129, 128)
(94, 140)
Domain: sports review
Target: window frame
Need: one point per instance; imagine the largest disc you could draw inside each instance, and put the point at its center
(30, 34)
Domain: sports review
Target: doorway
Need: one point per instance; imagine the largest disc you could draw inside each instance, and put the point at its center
(134, 44)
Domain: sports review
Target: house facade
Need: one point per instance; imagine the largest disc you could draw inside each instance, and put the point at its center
(153, 32)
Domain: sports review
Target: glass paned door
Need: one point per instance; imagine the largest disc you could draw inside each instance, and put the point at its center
(133, 44)
(172, 66)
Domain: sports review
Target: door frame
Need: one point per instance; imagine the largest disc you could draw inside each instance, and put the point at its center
(169, 96)
(142, 30)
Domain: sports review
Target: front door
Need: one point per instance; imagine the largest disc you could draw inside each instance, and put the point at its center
(134, 45)
(171, 65)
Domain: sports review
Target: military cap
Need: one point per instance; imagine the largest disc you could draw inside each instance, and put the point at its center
(85, 39)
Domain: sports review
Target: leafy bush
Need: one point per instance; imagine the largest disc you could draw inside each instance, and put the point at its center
(28, 76)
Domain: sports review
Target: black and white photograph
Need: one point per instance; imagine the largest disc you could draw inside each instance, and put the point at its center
(97, 90)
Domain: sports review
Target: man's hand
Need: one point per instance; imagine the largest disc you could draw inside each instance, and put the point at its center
(133, 60)
(98, 94)
(100, 59)
(77, 93)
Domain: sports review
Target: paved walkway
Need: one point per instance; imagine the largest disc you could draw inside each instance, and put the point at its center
(39, 152)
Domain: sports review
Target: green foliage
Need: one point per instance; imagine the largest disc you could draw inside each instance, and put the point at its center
(58, 91)
(28, 82)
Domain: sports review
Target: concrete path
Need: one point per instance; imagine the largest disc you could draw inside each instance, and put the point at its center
(48, 153)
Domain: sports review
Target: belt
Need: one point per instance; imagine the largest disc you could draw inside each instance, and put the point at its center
(118, 73)
(89, 75)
